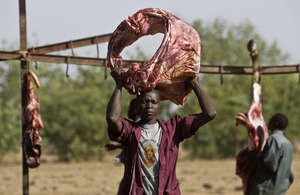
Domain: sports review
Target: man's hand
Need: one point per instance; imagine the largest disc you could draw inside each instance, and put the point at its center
(191, 83)
(116, 73)
(112, 146)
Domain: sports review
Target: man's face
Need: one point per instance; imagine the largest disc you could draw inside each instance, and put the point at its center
(148, 106)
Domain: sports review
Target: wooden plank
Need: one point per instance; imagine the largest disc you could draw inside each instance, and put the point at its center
(283, 69)
(70, 44)
(206, 69)
(9, 56)
(217, 69)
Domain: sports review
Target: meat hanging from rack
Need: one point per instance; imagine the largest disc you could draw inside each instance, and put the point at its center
(177, 58)
(246, 160)
(32, 121)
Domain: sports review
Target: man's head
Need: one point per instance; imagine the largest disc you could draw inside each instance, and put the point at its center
(148, 106)
(278, 122)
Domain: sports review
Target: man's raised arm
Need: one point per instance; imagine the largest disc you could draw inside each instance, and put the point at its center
(208, 111)
(113, 110)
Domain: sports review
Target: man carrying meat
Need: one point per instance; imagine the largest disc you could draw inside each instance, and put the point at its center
(273, 175)
(150, 145)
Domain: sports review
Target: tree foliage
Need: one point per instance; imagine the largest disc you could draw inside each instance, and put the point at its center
(73, 109)
(225, 44)
(10, 101)
(74, 112)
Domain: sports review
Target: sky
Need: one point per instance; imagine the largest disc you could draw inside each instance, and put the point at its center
(55, 21)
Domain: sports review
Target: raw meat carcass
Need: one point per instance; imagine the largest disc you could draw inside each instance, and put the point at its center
(246, 160)
(177, 58)
(32, 121)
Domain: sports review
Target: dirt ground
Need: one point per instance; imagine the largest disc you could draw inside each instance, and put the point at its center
(213, 177)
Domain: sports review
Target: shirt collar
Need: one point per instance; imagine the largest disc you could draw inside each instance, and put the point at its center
(278, 132)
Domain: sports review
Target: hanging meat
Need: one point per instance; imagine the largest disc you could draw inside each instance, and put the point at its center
(246, 160)
(32, 121)
(177, 58)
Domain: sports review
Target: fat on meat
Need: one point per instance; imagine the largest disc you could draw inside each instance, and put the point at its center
(32, 120)
(246, 160)
(177, 58)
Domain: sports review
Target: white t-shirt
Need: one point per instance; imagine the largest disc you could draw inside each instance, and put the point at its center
(148, 147)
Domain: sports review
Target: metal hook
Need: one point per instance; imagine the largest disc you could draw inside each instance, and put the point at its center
(32, 50)
(221, 75)
(97, 45)
(98, 56)
(71, 45)
(299, 72)
(67, 69)
(105, 70)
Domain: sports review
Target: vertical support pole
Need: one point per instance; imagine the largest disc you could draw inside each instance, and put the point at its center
(252, 48)
(24, 68)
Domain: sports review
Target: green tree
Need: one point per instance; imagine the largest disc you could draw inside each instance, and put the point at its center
(73, 109)
(10, 103)
(225, 44)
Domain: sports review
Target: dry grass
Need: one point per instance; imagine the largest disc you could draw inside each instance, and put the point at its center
(99, 178)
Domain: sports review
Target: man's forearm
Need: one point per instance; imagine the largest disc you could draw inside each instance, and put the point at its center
(203, 99)
(113, 111)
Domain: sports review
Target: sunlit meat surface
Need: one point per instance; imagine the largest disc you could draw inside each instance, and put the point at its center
(177, 58)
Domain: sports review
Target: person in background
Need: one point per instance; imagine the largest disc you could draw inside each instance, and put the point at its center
(151, 146)
(274, 175)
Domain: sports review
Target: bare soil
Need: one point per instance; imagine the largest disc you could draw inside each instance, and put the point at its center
(213, 177)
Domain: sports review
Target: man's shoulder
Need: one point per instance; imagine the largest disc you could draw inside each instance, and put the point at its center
(176, 119)
(279, 138)
(173, 119)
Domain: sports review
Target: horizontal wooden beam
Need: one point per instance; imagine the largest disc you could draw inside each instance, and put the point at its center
(218, 69)
(70, 44)
(59, 59)
(208, 69)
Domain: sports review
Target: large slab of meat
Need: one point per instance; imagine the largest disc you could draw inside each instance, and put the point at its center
(246, 160)
(32, 120)
(177, 58)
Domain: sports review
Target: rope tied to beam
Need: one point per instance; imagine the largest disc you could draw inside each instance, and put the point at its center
(24, 55)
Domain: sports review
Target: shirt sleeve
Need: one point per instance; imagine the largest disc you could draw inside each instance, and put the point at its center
(271, 154)
(183, 126)
(124, 133)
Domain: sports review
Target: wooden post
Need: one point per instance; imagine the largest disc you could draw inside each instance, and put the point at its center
(252, 48)
(24, 68)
